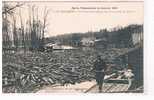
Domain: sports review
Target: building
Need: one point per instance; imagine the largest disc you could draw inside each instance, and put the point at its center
(88, 42)
(58, 47)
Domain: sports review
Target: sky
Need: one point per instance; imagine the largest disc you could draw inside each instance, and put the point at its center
(71, 17)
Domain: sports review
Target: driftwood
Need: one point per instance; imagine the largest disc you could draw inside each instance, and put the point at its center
(24, 72)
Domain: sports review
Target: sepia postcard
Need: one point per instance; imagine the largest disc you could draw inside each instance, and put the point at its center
(72, 46)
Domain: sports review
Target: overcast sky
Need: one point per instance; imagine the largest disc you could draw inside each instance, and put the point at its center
(62, 21)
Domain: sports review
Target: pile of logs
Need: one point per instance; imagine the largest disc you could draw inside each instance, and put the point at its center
(24, 72)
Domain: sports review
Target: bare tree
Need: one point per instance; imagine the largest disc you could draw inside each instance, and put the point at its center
(22, 32)
(5, 27)
(15, 36)
(37, 27)
(8, 11)
(46, 12)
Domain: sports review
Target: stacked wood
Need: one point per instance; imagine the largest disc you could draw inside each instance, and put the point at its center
(25, 72)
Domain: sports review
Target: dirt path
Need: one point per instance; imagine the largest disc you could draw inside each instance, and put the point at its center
(84, 87)
(77, 88)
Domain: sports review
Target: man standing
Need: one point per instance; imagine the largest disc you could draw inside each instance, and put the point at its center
(100, 68)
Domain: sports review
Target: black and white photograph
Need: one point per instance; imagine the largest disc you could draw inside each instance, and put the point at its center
(73, 47)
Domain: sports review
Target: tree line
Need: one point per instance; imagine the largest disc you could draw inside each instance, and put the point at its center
(118, 36)
(16, 34)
